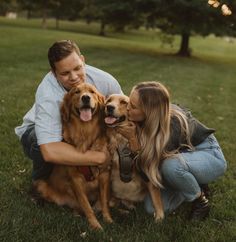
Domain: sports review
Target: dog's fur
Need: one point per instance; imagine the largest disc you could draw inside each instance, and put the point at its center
(83, 127)
(136, 189)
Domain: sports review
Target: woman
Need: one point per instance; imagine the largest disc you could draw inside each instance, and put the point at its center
(170, 140)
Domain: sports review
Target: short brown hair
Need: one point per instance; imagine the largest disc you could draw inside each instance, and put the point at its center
(60, 50)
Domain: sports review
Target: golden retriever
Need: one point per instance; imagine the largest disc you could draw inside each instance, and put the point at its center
(83, 127)
(133, 188)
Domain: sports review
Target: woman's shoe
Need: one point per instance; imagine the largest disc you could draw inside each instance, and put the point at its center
(206, 190)
(200, 208)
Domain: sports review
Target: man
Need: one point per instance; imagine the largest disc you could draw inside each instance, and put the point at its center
(41, 131)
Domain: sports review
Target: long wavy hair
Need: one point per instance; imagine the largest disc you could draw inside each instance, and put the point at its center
(154, 131)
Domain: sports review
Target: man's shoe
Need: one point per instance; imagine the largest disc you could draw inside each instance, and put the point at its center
(200, 208)
(36, 197)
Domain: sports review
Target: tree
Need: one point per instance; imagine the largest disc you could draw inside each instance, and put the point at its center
(60, 9)
(28, 5)
(7, 6)
(186, 18)
(117, 14)
(90, 11)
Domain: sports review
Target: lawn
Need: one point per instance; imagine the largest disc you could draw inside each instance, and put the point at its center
(205, 83)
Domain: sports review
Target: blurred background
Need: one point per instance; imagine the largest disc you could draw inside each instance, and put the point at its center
(188, 45)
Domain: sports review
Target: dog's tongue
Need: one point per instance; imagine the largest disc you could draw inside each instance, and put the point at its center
(86, 114)
(110, 120)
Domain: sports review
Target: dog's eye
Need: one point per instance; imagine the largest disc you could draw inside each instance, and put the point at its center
(107, 101)
(92, 91)
(123, 102)
(77, 91)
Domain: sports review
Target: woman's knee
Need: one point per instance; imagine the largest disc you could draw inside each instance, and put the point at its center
(221, 162)
(172, 168)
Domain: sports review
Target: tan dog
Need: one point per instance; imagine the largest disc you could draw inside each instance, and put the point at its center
(83, 127)
(136, 189)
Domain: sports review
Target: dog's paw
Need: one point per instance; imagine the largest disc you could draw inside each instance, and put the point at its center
(158, 216)
(107, 218)
(128, 204)
(97, 207)
(96, 226)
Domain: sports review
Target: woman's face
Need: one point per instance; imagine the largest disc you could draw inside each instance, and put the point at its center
(135, 113)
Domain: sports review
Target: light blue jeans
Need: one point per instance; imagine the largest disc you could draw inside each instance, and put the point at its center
(183, 176)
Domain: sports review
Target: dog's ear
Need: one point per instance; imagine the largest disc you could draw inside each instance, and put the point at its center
(65, 108)
(101, 99)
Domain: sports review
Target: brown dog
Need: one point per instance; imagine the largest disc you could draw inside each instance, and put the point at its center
(132, 188)
(83, 127)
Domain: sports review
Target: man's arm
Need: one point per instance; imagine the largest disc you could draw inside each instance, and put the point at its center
(66, 154)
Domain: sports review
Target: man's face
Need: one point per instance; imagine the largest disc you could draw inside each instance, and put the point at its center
(70, 71)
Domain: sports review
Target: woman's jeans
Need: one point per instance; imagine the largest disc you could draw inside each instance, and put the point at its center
(183, 176)
(41, 168)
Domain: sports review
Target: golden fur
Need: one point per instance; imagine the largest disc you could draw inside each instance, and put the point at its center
(136, 189)
(83, 127)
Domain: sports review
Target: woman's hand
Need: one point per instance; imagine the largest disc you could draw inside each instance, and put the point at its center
(127, 130)
(130, 133)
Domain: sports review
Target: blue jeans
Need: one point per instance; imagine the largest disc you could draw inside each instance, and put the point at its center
(183, 175)
(41, 168)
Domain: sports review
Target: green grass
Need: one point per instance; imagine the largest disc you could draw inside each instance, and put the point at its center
(205, 83)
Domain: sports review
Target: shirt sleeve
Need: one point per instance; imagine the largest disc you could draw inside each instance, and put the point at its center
(103, 81)
(48, 125)
(114, 87)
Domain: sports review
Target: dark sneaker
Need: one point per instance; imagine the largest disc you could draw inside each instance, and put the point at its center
(200, 208)
(206, 190)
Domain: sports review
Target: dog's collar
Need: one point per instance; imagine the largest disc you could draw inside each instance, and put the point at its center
(126, 161)
(87, 173)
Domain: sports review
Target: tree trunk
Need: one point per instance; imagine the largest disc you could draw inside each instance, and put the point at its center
(44, 20)
(28, 14)
(102, 29)
(57, 23)
(184, 47)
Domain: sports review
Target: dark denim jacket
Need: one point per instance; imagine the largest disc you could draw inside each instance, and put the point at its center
(198, 131)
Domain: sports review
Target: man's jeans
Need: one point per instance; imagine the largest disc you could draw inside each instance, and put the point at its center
(41, 169)
(182, 176)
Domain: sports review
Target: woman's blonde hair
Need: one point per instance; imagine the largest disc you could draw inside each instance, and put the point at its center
(154, 132)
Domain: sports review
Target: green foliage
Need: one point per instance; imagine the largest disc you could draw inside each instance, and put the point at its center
(7, 6)
(205, 84)
(186, 18)
(177, 17)
(117, 13)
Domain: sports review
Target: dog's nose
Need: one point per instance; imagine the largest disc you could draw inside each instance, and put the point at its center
(110, 109)
(86, 99)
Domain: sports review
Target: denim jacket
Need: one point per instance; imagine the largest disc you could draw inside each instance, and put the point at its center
(198, 131)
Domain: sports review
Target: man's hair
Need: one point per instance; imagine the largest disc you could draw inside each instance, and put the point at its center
(60, 50)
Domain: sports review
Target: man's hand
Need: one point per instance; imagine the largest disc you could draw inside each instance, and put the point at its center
(99, 158)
